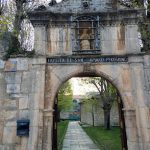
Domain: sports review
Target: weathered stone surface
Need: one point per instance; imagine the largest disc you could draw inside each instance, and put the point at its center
(11, 66)
(10, 104)
(1, 64)
(147, 61)
(26, 82)
(36, 100)
(40, 33)
(32, 141)
(38, 61)
(38, 75)
(13, 88)
(24, 102)
(3, 94)
(10, 115)
(24, 114)
(41, 47)
(24, 143)
(22, 64)
(36, 117)
(13, 77)
(132, 134)
(9, 136)
(1, 131)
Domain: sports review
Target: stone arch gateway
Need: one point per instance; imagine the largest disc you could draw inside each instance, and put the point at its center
(77, 72)
(28, 86)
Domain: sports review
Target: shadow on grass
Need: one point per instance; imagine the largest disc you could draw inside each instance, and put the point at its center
(105, 139)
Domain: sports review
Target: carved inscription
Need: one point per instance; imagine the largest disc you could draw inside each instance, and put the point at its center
(74, 60)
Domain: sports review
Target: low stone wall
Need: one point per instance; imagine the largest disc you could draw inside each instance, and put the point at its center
(86, 115)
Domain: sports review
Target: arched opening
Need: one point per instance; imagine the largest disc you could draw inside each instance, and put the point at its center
(121, 120)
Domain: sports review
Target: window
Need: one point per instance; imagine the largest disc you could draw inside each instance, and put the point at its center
(87, 35)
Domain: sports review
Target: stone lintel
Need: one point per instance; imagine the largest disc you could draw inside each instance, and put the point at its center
(42, 18)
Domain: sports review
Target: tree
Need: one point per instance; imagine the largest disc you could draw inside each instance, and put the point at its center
(16, 13)
(90, 104)
(107, 95)
(65, 96)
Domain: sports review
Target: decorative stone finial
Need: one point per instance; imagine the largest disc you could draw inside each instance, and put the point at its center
(86, 3)
(41, 8)
(52, 3)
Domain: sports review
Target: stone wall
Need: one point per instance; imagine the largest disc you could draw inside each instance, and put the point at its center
(22, 83)
(86, 114)
(28, 88)
(59, 40)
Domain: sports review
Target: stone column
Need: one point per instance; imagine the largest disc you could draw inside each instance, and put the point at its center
(142, 111)
(36, 103)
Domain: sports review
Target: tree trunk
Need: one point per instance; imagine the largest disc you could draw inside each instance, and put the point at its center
(93, 116)
(58, 116)
(107, 119)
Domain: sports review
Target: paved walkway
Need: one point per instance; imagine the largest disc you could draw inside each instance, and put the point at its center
(77, 139)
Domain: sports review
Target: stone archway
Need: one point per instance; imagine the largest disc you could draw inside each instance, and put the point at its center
(56, 75)
(120, 112)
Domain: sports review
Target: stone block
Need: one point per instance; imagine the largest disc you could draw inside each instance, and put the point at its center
(38, 81)
(134, 146)
(112, 33)
(143, 114)
(132, 134)
(3, 94)
(38, 61)
(40, 33)
(10, 115)
(24, 114)
(130, 118)
(132, 45)
(147, 60)
(33, 138)
(22, 64)
(36, 100)
(10, 104)
(145, 132)
(13, 78)
(126, 79)
(13, 88)
(24, 143)
(40, 47)
(9, 136)
(11, 66)
(24, 102)
(26, 84)
(131, 31)
(1, 64)
(10, 124)
(113, 47)
(1, 131)
(36, 117)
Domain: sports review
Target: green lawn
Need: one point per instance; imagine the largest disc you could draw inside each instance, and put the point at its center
(61, 131)
(105, 139)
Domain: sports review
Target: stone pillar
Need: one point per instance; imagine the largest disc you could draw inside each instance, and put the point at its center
(40, 38)
(36, 103)
(142, 111)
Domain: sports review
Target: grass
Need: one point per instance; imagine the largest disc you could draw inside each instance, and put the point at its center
(61, 131)
(105, 139)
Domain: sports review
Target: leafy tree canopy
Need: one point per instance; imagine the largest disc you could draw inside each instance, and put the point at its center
(65, 96)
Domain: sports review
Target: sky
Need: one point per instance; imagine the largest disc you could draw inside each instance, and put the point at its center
(81, 89)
